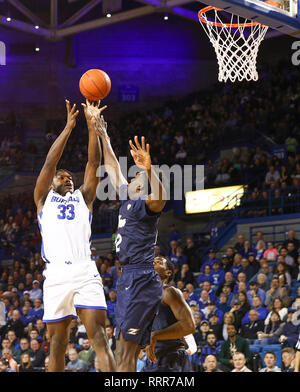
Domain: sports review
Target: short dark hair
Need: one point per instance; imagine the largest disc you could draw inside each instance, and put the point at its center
(270, 352)
(63, 170)
(170, 267)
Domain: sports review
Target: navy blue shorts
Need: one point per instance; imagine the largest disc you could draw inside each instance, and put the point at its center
(175, 362)
(139, 292)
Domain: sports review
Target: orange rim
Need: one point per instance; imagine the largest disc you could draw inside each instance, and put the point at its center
(218, 24)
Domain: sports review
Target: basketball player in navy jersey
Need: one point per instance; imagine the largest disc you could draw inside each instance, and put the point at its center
(139, 288)
(174, 320)
(72, 283)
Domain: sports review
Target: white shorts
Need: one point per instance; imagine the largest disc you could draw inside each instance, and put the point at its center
(72, 286)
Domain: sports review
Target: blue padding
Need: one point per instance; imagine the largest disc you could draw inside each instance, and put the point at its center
(255, 347)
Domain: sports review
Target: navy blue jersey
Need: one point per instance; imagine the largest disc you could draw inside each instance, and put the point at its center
(163, 319)
(137, 233)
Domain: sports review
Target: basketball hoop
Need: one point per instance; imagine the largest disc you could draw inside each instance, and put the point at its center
(236, 43)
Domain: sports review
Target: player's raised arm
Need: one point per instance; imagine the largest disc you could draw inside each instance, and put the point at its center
(91, 180)
(141, 155)
(111, 163)
(47, 173)
(184, 326)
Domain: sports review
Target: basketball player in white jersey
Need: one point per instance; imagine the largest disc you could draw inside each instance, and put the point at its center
(72, 285)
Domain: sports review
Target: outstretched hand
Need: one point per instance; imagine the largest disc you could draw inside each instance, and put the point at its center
(92, 111)
(72, 114)
(140, 154)
(100, 126)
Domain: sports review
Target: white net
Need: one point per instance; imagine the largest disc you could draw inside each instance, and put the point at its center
(236, 43)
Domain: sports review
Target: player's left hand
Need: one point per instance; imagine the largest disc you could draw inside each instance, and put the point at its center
(140, 154)
(92, 110)
(150, 349)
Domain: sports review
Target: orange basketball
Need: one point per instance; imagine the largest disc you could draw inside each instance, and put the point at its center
(94, 84)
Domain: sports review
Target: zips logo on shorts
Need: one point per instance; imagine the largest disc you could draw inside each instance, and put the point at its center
(133, 331)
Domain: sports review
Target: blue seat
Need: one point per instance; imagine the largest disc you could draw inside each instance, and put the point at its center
(276, 348)
(255, 347)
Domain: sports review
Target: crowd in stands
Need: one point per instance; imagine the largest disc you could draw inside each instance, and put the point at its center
(247, 301)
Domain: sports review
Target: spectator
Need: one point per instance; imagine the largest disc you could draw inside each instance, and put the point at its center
(185, 275)
(111, 338)
(205, 276)
(288, 332)
(37, 311)
(211, 347)
(234, 343)
(217, 275)
(222, 302)
(271, 253)
(172, 252)
(250, 329)
(111, 304)
(215, 326)
(86, 350)
(255, 291)
(282, 269)
(239, 246)
(268, 336)
(211, 364)
(279, 307)
(190, 251)
(174, 234)
(212, 309)
(291, 238)
(202, 335)
(228, 320)
(37, 355)
(13, 340)
(274, 291)
(35, 292)
(96, 368)
(288, 359)
(4, 366)
(75, 364)
(15, 324)
(270, 360)
(24, 348)
(239, 363)
(272, 176)
(7, 354)
(260, 249)
(261, 310)
(25, 363)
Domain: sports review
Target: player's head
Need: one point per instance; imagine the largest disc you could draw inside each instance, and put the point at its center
(138, 185)
(63, 182)
(164, 268)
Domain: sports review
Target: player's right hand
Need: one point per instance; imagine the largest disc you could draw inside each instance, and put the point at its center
(150, 349)
(72, 114)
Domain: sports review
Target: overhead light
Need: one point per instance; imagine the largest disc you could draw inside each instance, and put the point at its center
(108, 15)
(36, 27)
(8, 19)
(37, 49)
(166, 17)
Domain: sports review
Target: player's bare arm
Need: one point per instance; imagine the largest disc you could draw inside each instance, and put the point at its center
(47, 173)
(91, 181)
(141, 156)
(185, 325)
(111, 163)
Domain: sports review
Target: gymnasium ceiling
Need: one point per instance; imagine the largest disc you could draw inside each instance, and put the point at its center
(56, 19)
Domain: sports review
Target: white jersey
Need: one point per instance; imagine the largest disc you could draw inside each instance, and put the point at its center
(65, 225)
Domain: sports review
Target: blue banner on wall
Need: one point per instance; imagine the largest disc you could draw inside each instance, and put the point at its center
(280, 151)
(128, 93)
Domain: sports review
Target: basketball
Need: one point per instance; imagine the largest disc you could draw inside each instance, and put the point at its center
(95, 84)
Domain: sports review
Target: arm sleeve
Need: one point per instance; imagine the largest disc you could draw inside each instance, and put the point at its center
(192, 346)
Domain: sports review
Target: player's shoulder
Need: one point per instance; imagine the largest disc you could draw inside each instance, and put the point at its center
(171, 293)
